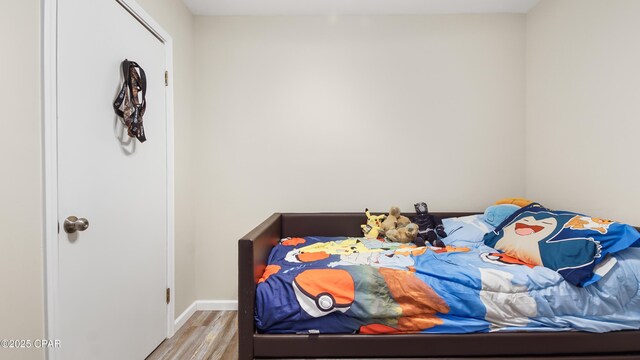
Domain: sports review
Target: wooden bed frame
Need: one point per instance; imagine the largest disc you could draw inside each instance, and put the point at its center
(254, 249)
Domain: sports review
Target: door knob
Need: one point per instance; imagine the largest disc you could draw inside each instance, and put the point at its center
(73, 224)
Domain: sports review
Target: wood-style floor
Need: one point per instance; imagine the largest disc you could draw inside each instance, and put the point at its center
(207, 335)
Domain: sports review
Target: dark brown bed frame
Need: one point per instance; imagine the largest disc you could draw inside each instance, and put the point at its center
(253, 251)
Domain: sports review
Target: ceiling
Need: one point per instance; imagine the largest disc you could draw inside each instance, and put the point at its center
(356, 7)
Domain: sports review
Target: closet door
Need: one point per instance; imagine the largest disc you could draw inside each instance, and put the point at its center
(111, 296)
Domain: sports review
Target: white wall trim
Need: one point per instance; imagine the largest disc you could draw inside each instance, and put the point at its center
(217, 305)
(49, 166)
(355, 7)
(204, 305)
(182, 319)
(49, 20)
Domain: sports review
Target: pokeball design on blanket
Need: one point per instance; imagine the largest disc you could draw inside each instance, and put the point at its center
(323, 291)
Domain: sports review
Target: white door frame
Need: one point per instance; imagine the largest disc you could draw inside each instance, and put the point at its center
(50, 160)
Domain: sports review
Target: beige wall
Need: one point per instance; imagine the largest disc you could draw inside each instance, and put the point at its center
(21, 298)
(21, 199)
(339, 113)
(583, 106)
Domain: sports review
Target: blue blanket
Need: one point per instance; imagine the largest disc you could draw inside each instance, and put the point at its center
(357, 285)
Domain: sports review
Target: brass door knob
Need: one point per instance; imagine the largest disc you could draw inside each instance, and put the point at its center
(73, 224)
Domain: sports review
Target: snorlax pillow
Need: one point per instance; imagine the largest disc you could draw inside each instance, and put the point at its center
(574, 245)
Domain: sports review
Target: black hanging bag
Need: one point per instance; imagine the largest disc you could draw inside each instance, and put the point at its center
(135, 82)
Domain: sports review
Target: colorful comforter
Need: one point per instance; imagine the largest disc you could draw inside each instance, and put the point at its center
(357, 285)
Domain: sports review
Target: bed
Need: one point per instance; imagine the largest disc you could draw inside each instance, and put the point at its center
(254, 250)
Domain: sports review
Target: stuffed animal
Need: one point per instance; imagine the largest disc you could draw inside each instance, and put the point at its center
(373, 227)
(429, 227)
(399, 228)
(394, 220)
(391, 220)
(403, 234)
(402, 221)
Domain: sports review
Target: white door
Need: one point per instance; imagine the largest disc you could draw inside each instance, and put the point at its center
(112, 276)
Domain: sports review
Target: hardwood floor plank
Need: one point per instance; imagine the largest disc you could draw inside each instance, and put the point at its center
(207, 318)
(207, 335)
(231, 352)
(186, 345)
(166, 346)
(199, 316)
(219, 338)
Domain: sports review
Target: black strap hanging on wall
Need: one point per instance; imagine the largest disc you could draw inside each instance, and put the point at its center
(134, 108)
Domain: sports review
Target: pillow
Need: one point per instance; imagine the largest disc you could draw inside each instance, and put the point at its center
(496, 214)
(467, 228)
(520, 202)
(572, 244)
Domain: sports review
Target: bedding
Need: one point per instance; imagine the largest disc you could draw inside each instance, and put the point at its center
(356, 285)
(574, 245)
(496, 214)
(466, 229)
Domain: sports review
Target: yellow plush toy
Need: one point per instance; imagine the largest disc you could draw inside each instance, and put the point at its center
(522, 202)
(373, 228)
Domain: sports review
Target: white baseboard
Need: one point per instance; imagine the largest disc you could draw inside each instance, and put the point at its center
(217, 304)
(182, 319)
(200, 305)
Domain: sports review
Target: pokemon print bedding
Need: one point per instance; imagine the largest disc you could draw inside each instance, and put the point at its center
(368, 286)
